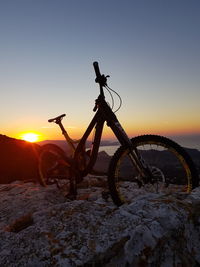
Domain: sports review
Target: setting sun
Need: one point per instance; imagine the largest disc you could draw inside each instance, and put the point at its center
(30, 137)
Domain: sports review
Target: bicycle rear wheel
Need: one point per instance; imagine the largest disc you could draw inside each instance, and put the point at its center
(53, 164)
(171, 168)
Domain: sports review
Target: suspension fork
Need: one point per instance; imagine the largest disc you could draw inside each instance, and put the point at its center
(139, 163)
(142, 167)
(124, 140)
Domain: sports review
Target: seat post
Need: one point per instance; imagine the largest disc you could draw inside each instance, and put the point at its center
(61, 127)
(68, 139)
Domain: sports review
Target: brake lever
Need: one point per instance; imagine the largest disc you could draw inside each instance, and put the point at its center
(102, 80)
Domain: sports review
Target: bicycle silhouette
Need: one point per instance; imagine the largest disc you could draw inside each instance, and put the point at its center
(152, 162)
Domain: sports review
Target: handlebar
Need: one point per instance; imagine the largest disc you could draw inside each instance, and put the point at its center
(96, 68)
(100, 78)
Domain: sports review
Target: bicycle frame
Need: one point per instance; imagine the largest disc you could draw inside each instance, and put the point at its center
(103, 114)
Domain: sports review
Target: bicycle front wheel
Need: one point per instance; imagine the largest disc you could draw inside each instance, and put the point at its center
(171, 168)
(52, 165)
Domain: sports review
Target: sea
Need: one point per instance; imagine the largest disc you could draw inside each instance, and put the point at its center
(110, 150)
(188, 141)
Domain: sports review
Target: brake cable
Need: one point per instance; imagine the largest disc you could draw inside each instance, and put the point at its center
(111, 96)
(120, 100)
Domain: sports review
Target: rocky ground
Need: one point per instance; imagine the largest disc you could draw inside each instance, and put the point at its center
(40, 227)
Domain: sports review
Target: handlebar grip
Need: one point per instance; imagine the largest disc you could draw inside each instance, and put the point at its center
(96, 68)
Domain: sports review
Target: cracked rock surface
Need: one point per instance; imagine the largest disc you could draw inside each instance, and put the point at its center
(40, 227)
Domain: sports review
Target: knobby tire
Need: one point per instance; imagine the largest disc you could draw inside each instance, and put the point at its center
(119, 165)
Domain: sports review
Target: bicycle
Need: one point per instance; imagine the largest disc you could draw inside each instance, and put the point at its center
(152, 162)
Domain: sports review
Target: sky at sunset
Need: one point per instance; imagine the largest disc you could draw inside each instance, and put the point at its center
(150, 49)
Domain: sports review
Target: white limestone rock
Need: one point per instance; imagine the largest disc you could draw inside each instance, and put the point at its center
(40, 227)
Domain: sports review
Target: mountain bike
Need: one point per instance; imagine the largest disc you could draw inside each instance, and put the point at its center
(151, 162)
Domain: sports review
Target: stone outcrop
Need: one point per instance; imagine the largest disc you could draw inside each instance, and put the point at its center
(40, 227)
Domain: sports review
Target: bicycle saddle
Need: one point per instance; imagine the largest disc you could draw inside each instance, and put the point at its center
(57, 119)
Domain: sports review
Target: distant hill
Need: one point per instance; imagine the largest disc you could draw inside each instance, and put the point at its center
(18, 160)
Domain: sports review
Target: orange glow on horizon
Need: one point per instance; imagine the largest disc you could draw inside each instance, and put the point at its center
(132, 129)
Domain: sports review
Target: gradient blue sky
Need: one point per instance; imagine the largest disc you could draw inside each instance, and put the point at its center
(150, 48)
